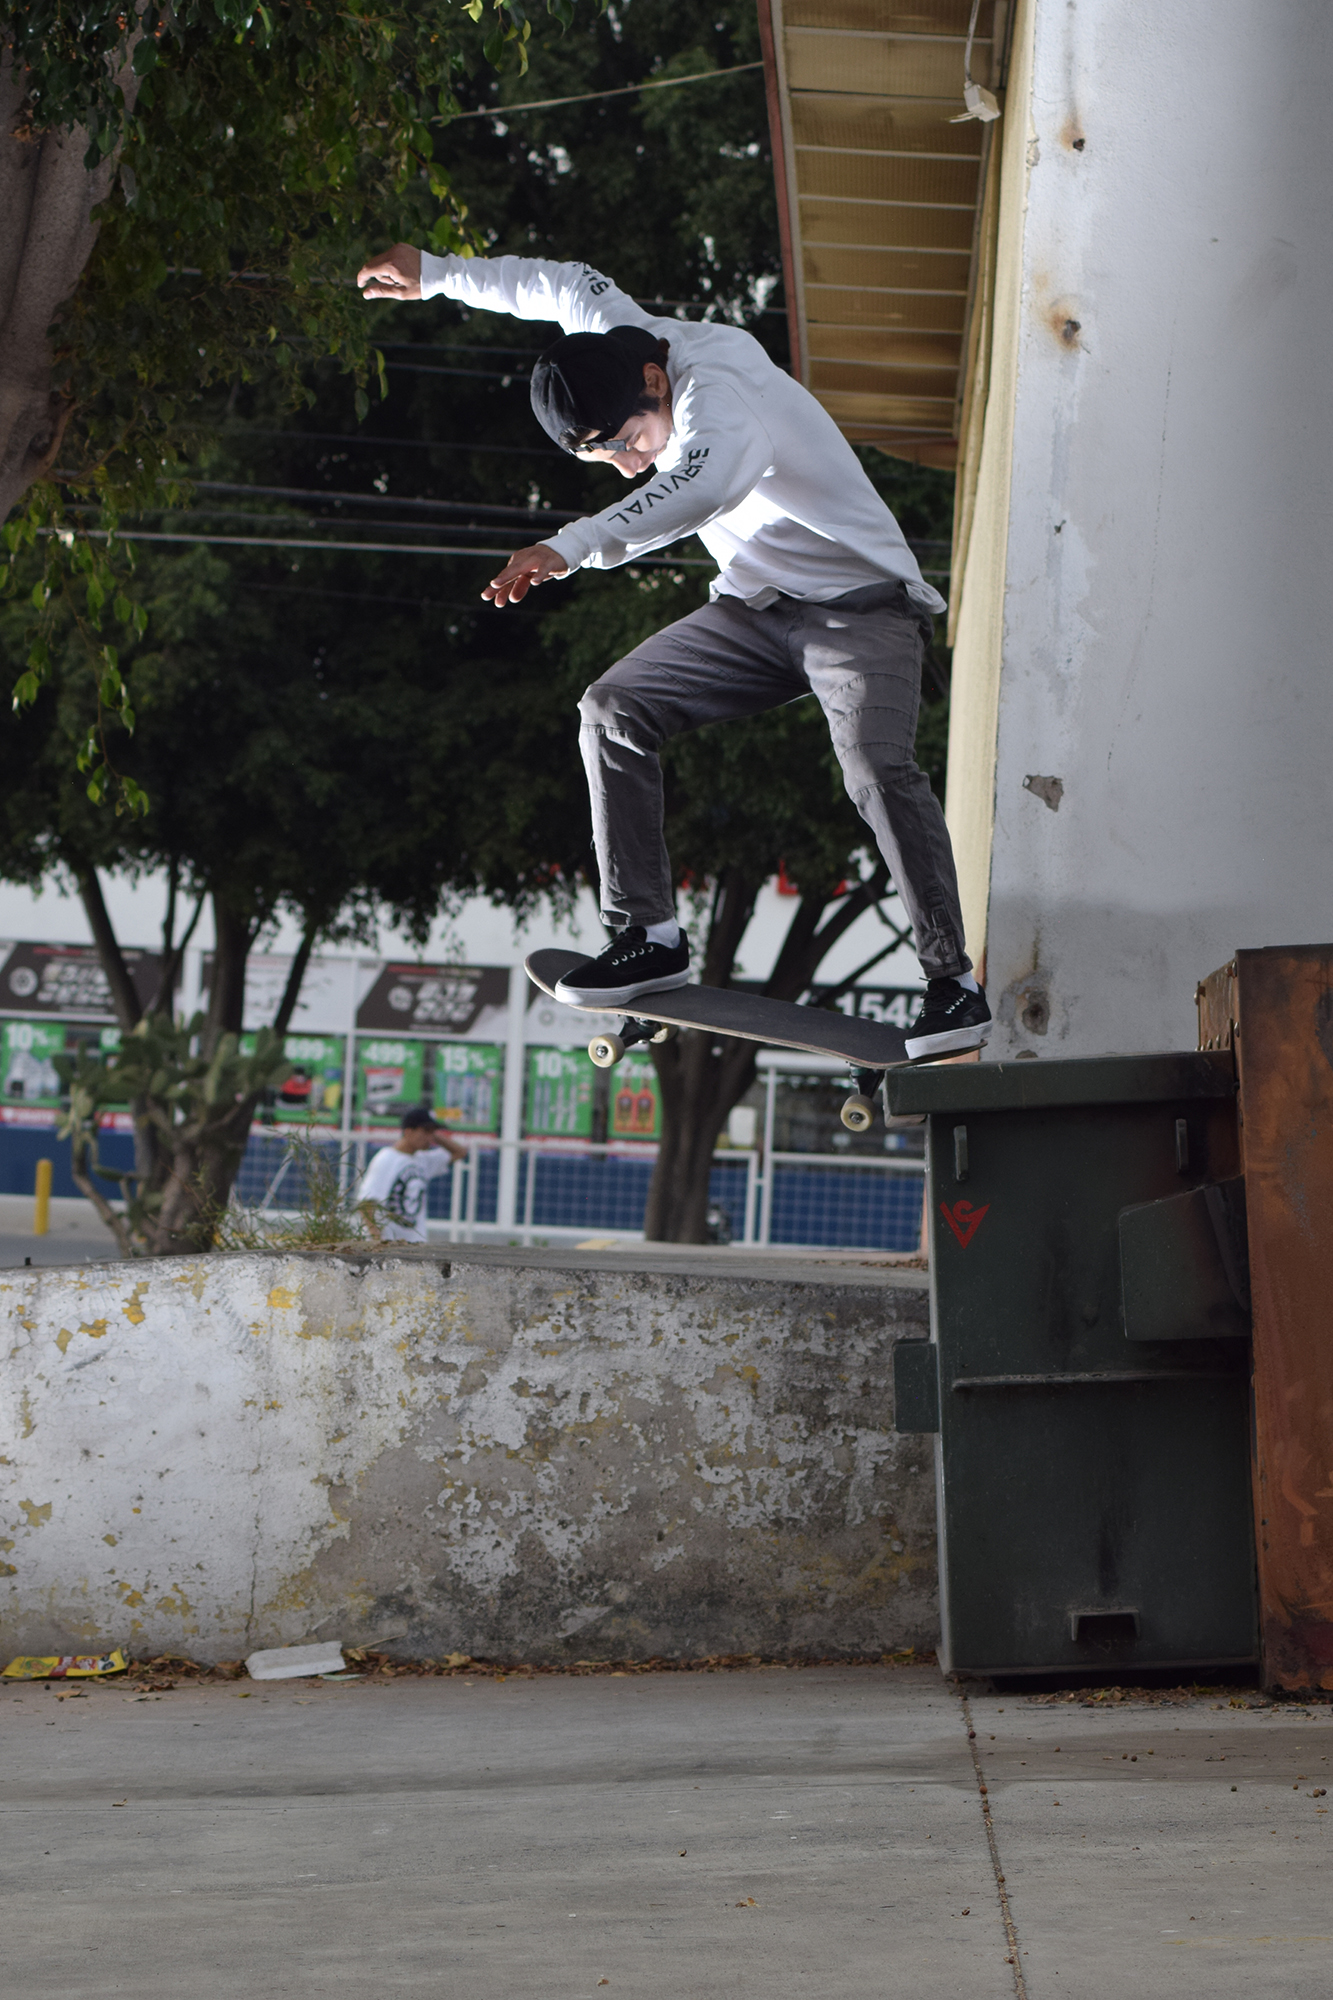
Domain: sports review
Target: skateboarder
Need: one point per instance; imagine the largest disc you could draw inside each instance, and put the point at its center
(817, 593)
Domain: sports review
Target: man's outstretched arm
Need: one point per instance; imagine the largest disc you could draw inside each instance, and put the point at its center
(578, 298)
(395, 275)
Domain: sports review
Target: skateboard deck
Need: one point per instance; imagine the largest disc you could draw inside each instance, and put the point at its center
(820, 1031)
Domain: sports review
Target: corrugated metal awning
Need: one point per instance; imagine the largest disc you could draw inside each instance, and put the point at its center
(880, 196)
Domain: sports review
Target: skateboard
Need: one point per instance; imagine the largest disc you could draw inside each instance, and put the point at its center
(868, 1047)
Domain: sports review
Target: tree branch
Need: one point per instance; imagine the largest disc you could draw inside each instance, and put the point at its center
(292, 990)
(174, 954)
(87, 1186)
(129, 1011)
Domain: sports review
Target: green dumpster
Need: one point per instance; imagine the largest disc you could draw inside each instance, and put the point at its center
(1087, 1375)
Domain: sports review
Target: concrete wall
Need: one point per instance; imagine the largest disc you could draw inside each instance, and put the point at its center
(507, 1460)
(1165, 588)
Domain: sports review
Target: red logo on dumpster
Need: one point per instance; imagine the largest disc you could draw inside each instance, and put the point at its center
(964, 1220)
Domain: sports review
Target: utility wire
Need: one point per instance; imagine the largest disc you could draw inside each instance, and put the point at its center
(363, 548)
(588, 96)
(401, 444)
(527, 514)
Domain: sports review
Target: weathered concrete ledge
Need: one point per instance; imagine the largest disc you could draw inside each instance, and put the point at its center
(498, 1455)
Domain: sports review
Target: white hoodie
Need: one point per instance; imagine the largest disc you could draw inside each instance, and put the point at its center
(754, 467)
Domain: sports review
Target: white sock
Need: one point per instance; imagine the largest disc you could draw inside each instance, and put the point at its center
(667, 933)
(966, 979)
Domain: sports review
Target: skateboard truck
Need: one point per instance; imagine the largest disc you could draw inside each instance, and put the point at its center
(606, 1050)
(858, 1113)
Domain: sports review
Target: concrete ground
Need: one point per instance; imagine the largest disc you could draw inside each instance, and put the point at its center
(819, 1832)
(75, 1235)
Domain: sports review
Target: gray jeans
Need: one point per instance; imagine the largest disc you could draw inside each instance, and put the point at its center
(860, 656)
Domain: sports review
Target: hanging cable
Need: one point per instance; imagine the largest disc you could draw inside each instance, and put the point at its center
(588, 96)
(981, 103)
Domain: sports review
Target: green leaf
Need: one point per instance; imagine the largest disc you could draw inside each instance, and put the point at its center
(26, 689)
(145, 56)
(362, 402)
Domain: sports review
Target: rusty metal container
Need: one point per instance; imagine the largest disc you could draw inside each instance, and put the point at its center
(1273, 1010)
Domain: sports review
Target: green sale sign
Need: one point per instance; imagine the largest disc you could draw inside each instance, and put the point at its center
(313, 1093)
(560, 1094)
(467, 1085)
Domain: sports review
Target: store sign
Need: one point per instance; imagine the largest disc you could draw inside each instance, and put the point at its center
(559, 1094)
(635, 1111)
(462, 1082)
(436, 1000)
(388, 1080)
(30, 1087)
(313, 1093)
(68, 980)
(468, 1085)
(321, 1005)
(898, 1005)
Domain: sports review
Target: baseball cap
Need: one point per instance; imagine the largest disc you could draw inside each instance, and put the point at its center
(419, 1119)
(590, 382)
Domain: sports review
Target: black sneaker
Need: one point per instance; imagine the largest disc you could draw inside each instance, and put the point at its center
(628, 967)
(952, 1019)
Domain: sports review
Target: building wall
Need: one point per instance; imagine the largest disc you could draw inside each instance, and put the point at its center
(520, 1461)
(984, 500)
(1166, 595)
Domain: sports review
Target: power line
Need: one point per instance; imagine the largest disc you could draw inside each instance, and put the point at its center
(532, 514)
(368, 597)
(400, 444)
(588, 96)
(348, 548)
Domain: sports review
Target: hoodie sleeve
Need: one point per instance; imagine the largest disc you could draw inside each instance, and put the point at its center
(720, 453)
(577, 298)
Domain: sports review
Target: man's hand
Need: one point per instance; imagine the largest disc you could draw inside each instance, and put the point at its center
(395, 275)
(522, 572)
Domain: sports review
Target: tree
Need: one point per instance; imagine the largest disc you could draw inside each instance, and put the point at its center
(284, 769)
(243, 138)
(184, 191)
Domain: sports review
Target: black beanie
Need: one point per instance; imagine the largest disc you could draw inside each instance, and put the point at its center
(590, 382)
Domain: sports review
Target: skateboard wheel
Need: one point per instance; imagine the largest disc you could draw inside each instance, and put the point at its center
(606, 1050)
(857, 1114)
(666, 1033)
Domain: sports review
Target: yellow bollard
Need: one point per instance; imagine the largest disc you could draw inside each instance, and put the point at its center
(41, 1217)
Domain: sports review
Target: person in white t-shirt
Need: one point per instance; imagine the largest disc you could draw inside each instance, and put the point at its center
(817, 594)
(397, 1179)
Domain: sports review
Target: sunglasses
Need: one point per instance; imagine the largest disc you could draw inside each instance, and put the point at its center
(582, 449)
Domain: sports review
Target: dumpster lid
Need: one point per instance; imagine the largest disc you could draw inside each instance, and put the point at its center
(1024, 1086)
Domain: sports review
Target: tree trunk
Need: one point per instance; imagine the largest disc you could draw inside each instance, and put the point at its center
(205, 1159)
(124, 995)
(701, 1077)
(199, 1181)
(233, 935)
(47, 234)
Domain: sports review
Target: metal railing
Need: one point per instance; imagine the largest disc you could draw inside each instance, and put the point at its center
(576, 1188)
